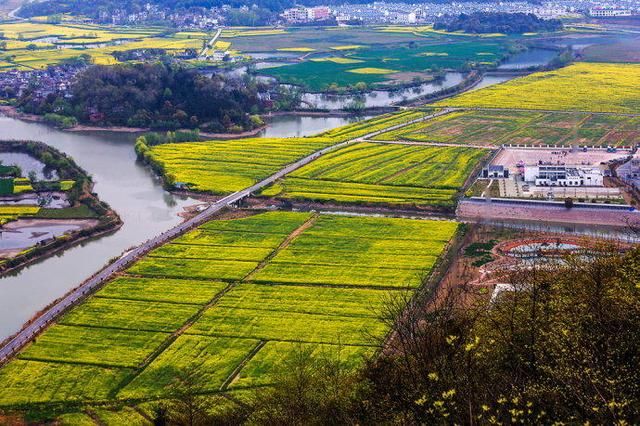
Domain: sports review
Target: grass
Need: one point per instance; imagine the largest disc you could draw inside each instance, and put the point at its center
(493, 128)
(79, 212)
(592, 87)
(384, 173)
(125, 416)
(319, 284)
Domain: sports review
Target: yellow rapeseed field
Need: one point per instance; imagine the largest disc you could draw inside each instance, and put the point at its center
(372, 70)
(592, 87)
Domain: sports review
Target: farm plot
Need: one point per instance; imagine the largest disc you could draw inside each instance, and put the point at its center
(38, 45)
(264, 368)
(493, 128)
(221, 167)
(92, 345)
(117, 345)
(25, 382)
(376, 65)
(209, 359)
(360, 258)
(10, 213)
(591, 87)
(197, 292)
(383, 173)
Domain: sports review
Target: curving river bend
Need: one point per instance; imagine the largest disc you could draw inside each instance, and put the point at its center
(145, 207)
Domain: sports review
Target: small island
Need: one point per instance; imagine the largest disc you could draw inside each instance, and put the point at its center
(46, 204)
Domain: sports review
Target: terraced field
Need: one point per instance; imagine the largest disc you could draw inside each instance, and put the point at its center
(493, 128)
(273, 282)
(372, 173)
(222, 167)
(592, 87)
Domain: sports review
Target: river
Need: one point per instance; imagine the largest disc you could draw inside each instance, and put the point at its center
(130, 188)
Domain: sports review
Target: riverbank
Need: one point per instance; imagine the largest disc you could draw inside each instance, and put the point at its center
(29, 239)
(12, 112)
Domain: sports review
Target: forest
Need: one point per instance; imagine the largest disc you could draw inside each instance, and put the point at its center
(158, 96)
(505, 23)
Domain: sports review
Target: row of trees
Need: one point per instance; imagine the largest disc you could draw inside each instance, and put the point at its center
(563, 347)
(159, 95)
(497, 22)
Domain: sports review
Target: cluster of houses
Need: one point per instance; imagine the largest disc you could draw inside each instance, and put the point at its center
(420, 13)
(41, 83)
(198, 18)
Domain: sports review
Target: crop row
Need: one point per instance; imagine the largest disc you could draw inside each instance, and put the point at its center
(492, 128)
(222, 167)
(595, 87)
(383, 173)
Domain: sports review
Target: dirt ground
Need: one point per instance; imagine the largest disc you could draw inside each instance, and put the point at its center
(479, 274)
(509, 157)
(480, 210)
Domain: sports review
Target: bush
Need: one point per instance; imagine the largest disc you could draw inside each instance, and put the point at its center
(60, 121)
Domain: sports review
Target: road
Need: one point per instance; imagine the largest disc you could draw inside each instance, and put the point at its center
(30, 331)
(211, 44)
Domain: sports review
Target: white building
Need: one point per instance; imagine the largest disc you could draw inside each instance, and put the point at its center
(563, 176)
(608, 12)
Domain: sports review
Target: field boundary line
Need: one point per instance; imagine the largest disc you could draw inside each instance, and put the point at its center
(142, 413)
(236, 371)
(283, 245)
(442, 144)
(169, 341)
(94, 417)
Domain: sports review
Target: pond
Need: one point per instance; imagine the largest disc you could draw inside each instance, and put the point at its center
(299, 126)
(528, 58)
(27, 165)
(380, 98)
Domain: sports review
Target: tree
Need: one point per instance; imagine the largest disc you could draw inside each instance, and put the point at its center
(568, 202)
